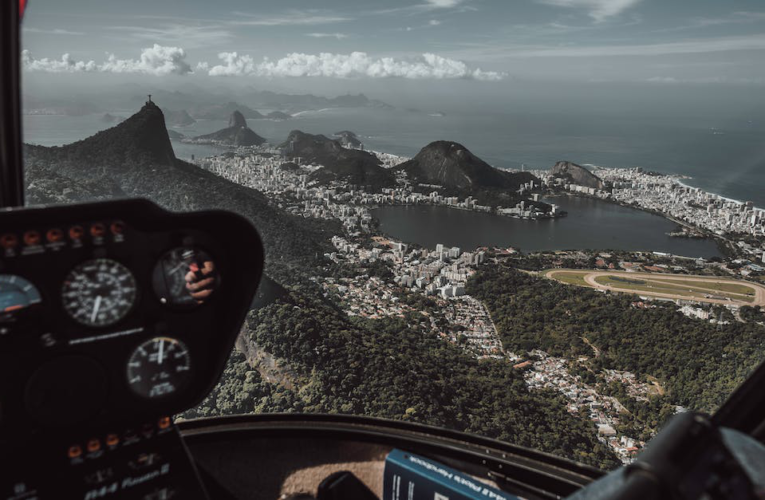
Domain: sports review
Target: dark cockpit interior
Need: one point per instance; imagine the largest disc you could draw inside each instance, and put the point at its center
(117, 316)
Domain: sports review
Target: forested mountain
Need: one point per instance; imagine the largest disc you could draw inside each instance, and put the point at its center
(577, 174)
(352, 165)
(135, 158)
(452, 165)
(697, 363)
(389, 368)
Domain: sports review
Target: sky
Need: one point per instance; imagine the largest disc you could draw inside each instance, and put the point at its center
(417, 44)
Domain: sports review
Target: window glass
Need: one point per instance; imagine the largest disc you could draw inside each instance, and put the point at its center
(540, 222)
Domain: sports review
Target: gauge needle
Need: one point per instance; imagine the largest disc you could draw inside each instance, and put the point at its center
(161, 354)
(96, 306)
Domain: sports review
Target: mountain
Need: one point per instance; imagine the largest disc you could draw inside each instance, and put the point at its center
(348, 139)
(577, 174)
(223, 111)
(236, 134)
(135, 158)
(178, 118)
(303, 102)
(452, 165)
(351, 165)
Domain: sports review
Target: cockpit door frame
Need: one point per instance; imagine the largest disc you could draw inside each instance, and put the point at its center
(11, 168)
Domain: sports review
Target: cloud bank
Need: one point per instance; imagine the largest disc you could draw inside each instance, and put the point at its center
(354, 65)
(157, 60)
(162, 61)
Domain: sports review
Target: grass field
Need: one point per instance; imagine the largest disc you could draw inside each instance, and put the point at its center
(644, 286)
(572, 277)
(716, 287)
(675, 286)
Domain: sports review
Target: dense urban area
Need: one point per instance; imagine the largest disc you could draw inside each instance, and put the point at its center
(441, 274)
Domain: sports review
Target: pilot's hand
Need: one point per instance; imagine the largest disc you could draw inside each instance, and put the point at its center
(200, 281)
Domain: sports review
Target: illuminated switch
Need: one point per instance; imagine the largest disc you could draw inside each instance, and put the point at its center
(97, 230)
(9, 240)
(118, 227)
(112, 440)
(75, 451)
(164, 422)
(94, 445)
(76, 232)
(32, 238)
(54, 235)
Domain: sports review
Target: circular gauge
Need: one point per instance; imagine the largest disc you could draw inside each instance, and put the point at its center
(185, 277)
(99, 292)
(158, 368)
(16, 295)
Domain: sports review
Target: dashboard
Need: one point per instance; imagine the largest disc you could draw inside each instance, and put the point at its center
(113, 317)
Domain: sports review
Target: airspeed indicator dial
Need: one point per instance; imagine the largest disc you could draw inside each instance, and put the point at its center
(99, 292)
(158, 368)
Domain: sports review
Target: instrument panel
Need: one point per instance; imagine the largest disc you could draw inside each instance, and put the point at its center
(117, 312)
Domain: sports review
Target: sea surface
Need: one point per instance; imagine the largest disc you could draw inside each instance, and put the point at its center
(591, 224)
(727, 158)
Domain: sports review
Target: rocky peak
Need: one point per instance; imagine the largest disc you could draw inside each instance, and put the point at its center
(237, 120)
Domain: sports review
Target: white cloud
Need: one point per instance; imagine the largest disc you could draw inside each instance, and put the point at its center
(290, 18)
(354, 65)
(434, 22)
(190, 35)
(600, 10)
(708, 80)
(443, 4)
(339, 36)
(233, 65)
(700, 46)
(156, 60)
(52, 32)
(65, 65)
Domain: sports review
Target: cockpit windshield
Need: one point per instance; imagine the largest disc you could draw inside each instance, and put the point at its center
(541, 222)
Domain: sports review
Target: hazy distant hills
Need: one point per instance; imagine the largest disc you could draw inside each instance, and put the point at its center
(352, 165)
(236, 134)
(223, 111)
(135, 158)
(198, 101)
(302, 102)
(178, 118)
(577, 174)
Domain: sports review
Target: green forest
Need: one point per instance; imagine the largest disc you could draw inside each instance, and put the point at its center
(390, 369)
(697, 363)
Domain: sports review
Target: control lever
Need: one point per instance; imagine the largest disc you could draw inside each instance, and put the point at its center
(690, 458)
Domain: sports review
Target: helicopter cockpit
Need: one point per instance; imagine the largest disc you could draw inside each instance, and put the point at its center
(118, 316)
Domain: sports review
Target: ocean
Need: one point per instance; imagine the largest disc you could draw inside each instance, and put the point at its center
(726, 158)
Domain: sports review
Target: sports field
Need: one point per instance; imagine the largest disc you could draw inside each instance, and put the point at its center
(672, 286)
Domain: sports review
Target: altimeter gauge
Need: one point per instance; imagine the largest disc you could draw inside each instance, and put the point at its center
(99, 292)
(159, 368)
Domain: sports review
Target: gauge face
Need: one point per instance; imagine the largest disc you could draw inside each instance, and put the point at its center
(185, 277)
(99, 292)
(158, 368)
(16, 295)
